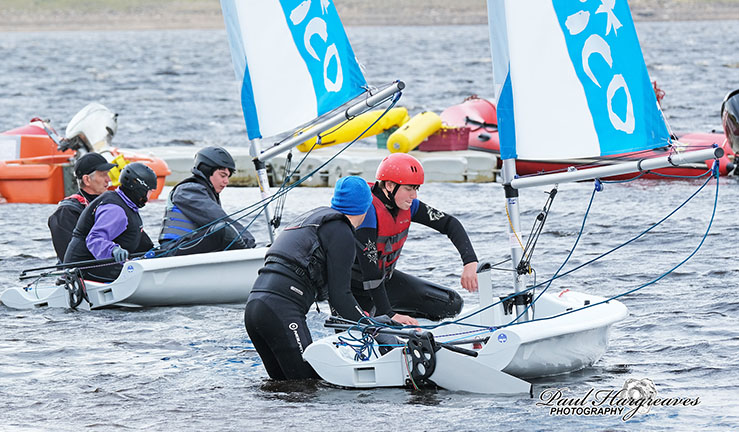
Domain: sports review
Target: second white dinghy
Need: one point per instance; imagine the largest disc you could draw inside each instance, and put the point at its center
(301, 97)
(209, 278)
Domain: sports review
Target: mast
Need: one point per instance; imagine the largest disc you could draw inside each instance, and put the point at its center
(255, 148)
(514, 228)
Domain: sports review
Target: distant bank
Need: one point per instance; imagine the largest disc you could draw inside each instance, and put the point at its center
(52, 15)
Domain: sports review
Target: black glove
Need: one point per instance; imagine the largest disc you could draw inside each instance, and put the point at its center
(120, 254)
(384, 319)
(384, 338)
(237, 240)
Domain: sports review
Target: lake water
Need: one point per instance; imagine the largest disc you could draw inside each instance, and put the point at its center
(193, 368)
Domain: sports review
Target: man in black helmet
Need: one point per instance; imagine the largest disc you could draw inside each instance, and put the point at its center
(111, 227)
(195, 203)
(91, 171)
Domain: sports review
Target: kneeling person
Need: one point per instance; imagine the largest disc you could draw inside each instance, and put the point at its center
(377, 285)
(111, 227)
(195, 203)
(310, 261)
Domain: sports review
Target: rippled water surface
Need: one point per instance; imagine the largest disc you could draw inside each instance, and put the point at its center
(192, 368)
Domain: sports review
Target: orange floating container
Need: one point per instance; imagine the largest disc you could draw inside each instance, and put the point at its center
(33, 170)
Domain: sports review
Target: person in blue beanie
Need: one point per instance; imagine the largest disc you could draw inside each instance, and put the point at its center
(310, 261)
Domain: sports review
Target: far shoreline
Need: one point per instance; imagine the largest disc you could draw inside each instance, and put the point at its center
(202, 14)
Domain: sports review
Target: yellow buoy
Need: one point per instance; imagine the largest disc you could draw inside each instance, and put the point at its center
(351, 129)
(411, 134)
(115, 172)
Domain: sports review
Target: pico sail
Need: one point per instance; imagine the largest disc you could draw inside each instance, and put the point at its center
(295, 67)
(577, 86)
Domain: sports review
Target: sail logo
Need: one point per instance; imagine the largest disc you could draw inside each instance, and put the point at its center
(316, 26)
(293, 60)
(587, 34)
(327, 55)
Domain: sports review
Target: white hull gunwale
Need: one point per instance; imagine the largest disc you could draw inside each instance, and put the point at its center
(210, 278)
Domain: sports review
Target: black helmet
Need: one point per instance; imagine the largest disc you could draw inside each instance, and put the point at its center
(212, 158)
(137, 180)
(730, 118)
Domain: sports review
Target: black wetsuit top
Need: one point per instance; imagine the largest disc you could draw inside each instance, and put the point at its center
(337, 240)
(64, 219)
(275, 313)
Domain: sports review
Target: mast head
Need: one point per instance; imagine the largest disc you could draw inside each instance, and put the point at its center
(400, 168)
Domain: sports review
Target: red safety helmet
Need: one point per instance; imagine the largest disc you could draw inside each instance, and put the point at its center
(400, 168)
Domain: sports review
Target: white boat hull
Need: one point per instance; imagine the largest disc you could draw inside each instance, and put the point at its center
(536, 348)
(211, 278)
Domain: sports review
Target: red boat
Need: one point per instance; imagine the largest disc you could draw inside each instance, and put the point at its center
(480, 116)
(36, 166)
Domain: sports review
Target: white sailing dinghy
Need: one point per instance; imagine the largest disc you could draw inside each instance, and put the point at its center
(570, 82)
(295, 68)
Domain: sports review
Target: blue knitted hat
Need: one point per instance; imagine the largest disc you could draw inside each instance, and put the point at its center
(352, 196)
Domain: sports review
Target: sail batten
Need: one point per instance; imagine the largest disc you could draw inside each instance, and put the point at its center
(571, 81)
(293, 60)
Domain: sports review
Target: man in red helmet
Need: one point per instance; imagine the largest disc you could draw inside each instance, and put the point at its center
(375, 282)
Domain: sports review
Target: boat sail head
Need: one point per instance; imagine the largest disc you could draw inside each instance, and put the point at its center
(293, 61)
(570, 80)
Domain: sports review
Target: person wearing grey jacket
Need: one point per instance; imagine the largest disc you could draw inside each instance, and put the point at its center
(195, 203)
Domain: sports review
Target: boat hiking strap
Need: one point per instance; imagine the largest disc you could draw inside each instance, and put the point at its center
(490, 127)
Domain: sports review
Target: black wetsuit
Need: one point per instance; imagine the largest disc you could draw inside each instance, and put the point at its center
(64, 219)
(292, 279)
(400, 292)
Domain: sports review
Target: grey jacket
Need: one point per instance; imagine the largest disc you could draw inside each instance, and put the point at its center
(194, 200)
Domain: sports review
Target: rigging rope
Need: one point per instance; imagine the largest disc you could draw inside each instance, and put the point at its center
(257, 208)
(714, 173)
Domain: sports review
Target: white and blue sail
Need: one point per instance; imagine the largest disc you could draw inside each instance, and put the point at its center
(570, 80)
(293, 60)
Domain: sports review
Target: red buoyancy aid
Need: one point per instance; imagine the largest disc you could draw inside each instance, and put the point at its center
(391, 235)
(79, 197)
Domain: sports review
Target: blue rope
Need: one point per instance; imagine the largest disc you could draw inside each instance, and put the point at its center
(714, 174)
(257, 208)
(363, 345)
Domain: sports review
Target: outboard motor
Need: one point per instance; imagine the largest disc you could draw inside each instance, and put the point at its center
(92, 129)
(730, 118)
